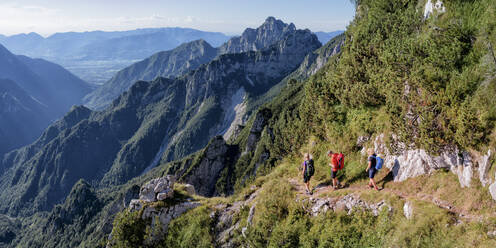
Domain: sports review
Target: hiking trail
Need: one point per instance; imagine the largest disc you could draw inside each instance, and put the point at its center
(321, 190)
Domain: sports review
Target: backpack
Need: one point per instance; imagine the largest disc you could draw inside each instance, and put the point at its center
(340, 161)
(310, 168)
(378, 162)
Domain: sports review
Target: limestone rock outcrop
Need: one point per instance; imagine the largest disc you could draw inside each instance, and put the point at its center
(347, 203)
(408, 210)
(407, 161)
(158, 189)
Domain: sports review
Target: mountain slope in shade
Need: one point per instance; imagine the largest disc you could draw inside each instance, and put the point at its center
(66, 88)
(43, 91)
(22, 117)
(49, 83)
(163, 119)
(178, 61)
(12, 68)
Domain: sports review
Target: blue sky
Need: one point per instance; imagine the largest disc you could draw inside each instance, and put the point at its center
(228, 16)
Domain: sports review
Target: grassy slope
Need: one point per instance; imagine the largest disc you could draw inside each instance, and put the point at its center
(281, 221)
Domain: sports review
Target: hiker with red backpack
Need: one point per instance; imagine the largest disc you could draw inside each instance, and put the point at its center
(308, 169)
(336, 164)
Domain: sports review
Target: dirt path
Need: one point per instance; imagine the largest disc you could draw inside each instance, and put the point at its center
(320, 190)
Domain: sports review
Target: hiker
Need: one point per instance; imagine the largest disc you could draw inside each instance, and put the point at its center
(336, 164)
(308, 170)
(371, 168)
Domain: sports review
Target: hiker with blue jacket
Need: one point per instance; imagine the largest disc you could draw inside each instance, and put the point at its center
(373, 167)
(307, 171)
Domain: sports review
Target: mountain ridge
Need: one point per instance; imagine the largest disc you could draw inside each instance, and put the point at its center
(184, 60)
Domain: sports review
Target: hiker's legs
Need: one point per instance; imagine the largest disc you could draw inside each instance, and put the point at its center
(372, 182)
(334, 179)
(372, 172)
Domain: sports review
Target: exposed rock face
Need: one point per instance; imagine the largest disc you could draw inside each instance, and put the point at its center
(408, 162)
(485, 163)
(215, 158)
(187, 57)
(430, 7)
(492, 190)
(157, 189)
(256, 130)
(347, 203)
(270, 32)
(223, 217)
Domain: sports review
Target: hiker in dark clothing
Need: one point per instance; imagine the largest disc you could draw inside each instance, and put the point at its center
(307, 171)
(371, 168)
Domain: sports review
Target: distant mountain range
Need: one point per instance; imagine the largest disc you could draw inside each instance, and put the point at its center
(187, 57)
(97, 55)
(94, 56)
(100, 45)
(34, 93)
(325, 37)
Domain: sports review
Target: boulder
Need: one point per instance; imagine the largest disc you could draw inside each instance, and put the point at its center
(146, 193)
(150, 190)
(135, 205)
(465, 170)
(485, 162)
(492, 190)
(190, 189)
(408, 210)
(431, 7)
(165, 194)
